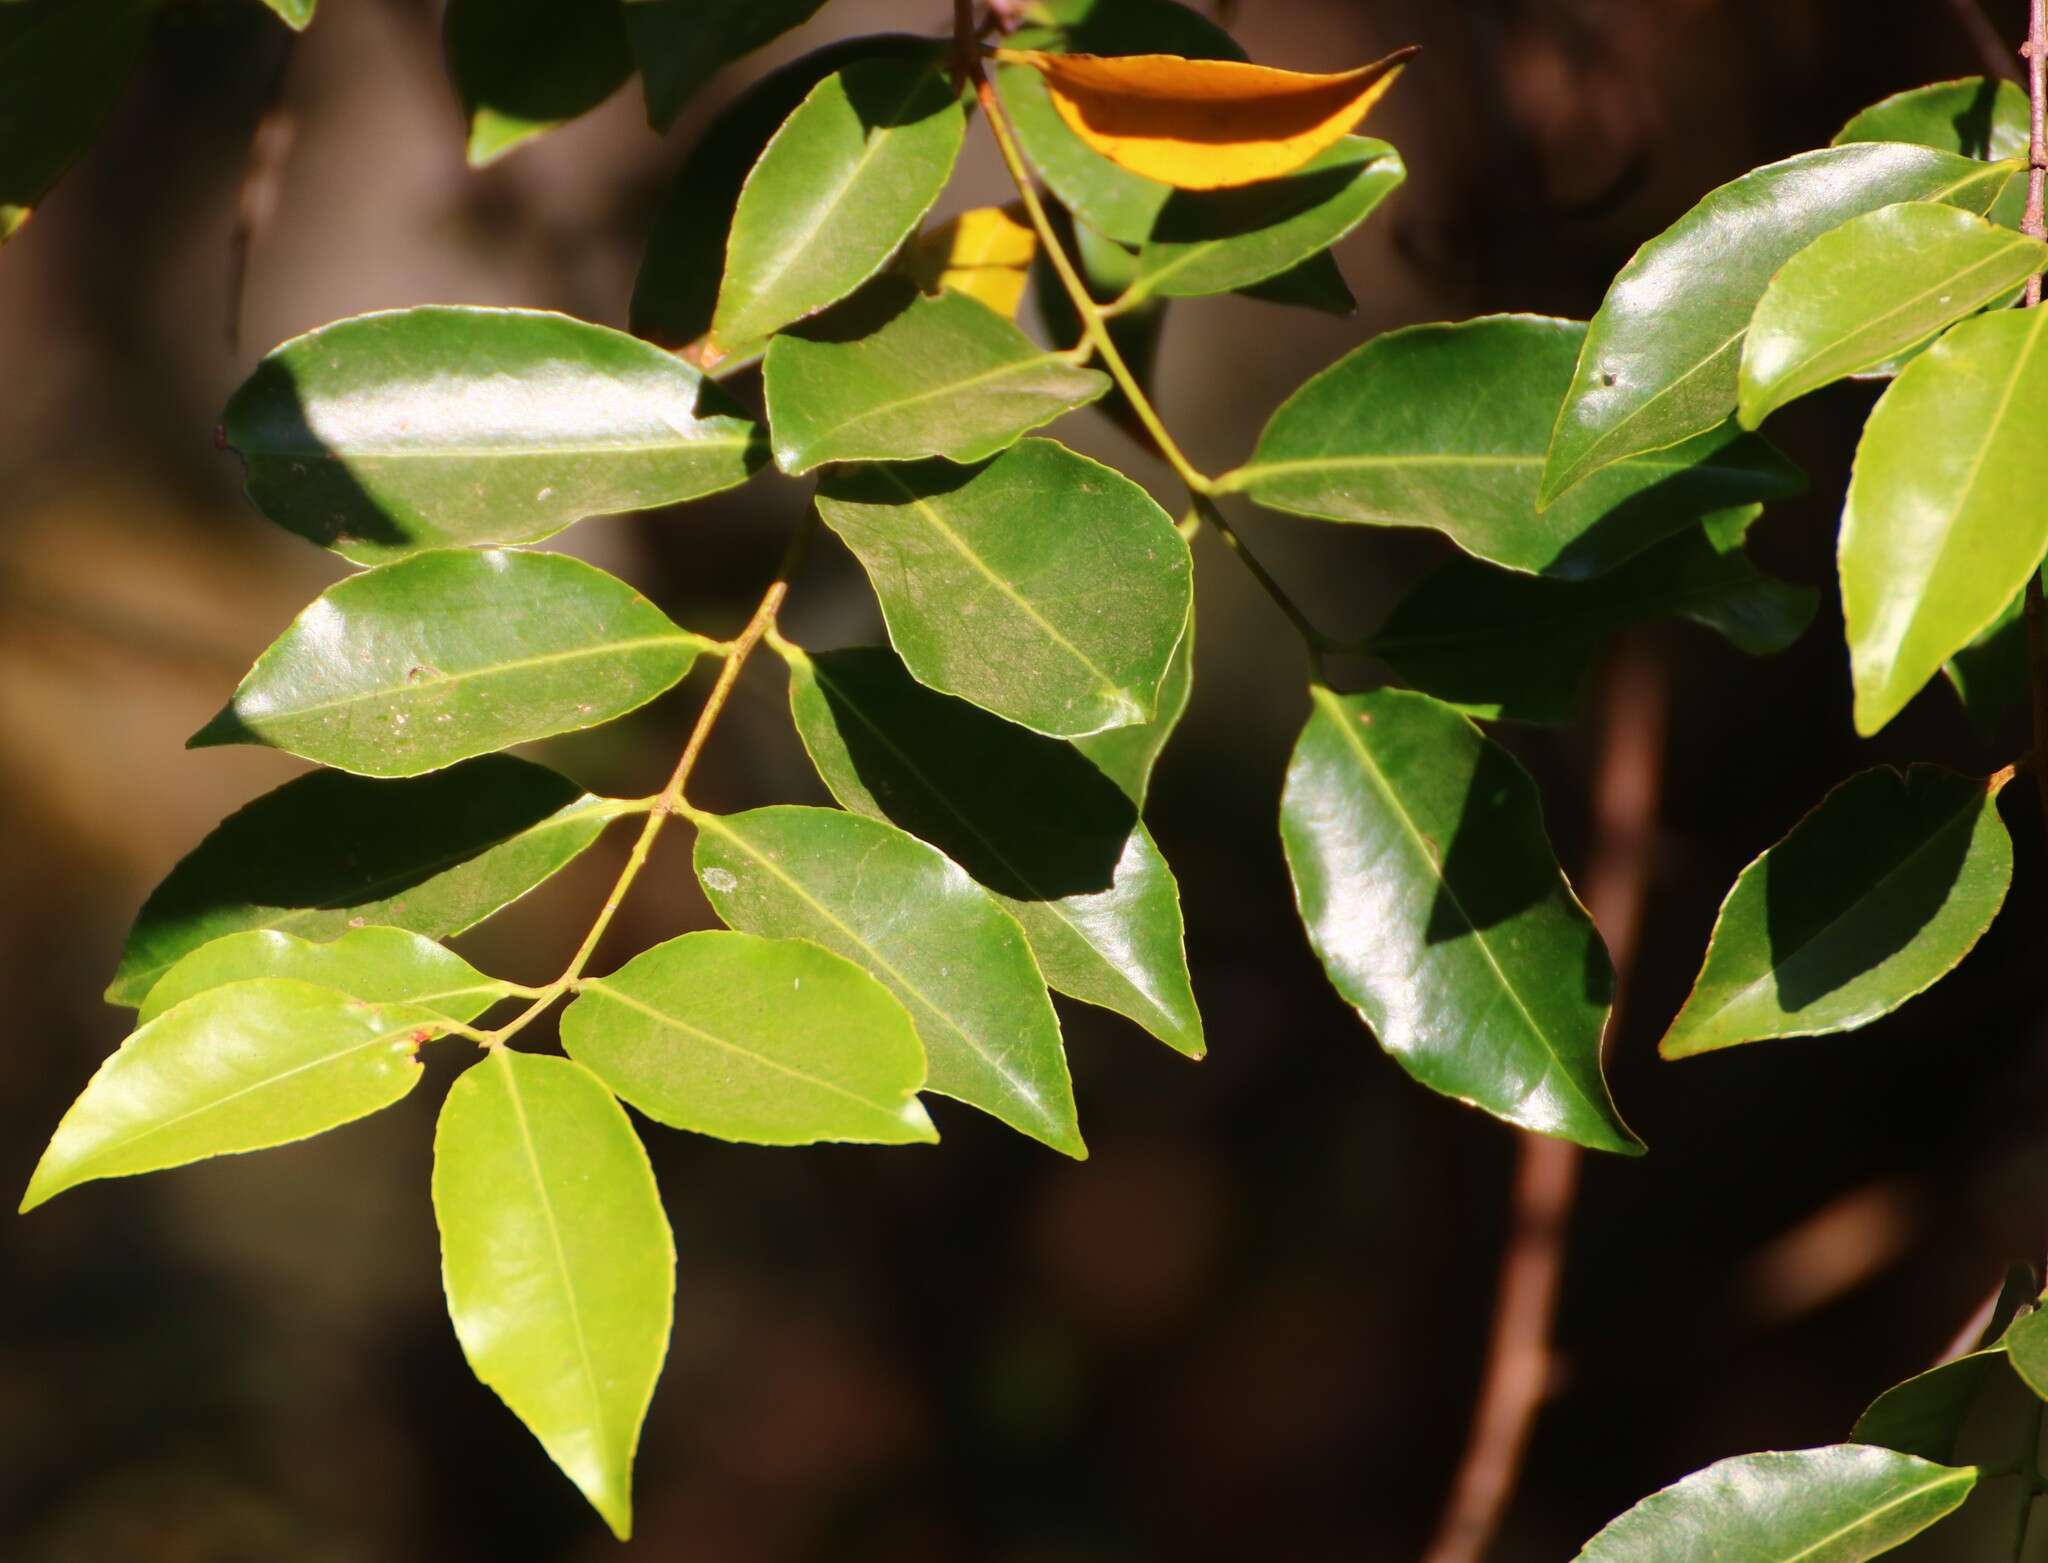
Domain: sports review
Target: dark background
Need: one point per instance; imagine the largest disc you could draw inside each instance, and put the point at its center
(1251, 1326)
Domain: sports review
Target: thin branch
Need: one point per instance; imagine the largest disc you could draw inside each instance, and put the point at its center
(2035, 223)
(1991, 48)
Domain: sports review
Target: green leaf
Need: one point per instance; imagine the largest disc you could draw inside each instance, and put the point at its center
(237, 1068)
(375, 965)
(1840, 1504)
(842, 184)
(2026, 1346)
(1107, 269)
(1029, 817)
(415, 665)
(523, 67)
(681, 44)
(899, 910)
(1992, 675)
(1116, 203)
(329, 852)
(893, 376)
(1126, 755)
(1948, 506)
(63, 66)
(1042, 586)
(1431, 895)
(1217, 241)
(558, 1262)
(297, 14)
(1872, 898)
(417, 428)
(1315, 284)
(1924, 1416)
(1445, 426)
(1972, 117)
(1662, 359)
(1874, 289)
(1517, 648)
(770, 1041)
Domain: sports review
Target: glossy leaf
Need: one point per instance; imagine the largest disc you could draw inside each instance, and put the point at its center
(1874, 289)
(237, 1068)
(328, 852)
(1840, 1504)
(1872, 898)
(375, 965)
(681, 44)
(1973, 117)
(523, 67)
(558, 1262)
(1431, 895)
(1948, 506)
(1030, 818)
(1200, 124)
(894, 376)
(985, 253)
(296, 14)
(1126, 755)
(1445, 426)
(1042, 586)
(2026, 1347)
(1662, 359)
(1993, 674)
(417, 428)
(900, 911)
(1511, 647)
(1924, 1416)
(770, 1041)
(843, 183)
(63, 66)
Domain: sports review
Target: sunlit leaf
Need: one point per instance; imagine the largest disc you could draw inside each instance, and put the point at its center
(1126, 755)
(376, 965)
(297, 14)
(1973, 116)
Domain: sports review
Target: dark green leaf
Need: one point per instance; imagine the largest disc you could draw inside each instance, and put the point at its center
(1972, 117)
(1315, 284)
(416, 428)
(329, 852)
(375, 965)
(1872, 898)
(525, 66)
(558, 1262)
(63, 65)
(1107, 269)
(237, 1068)
(1430, 892)
(1445, 426)
(772, 1041)
(1662, 359)
(894, 376)
(1126, 755)
(1030, 818)
(681, 44)
(453, 653)
(901, 912)
(1924, 1416)
(1992, 674)
(1042, 586)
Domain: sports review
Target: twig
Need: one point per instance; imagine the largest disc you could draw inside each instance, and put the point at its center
(1518, 1363)
(2035, 223)
(1990, 46)
(270, 148)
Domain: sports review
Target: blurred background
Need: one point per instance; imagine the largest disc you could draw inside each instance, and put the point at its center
(1253, 1324)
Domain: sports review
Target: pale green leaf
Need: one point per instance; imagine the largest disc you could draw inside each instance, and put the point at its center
(376, 965)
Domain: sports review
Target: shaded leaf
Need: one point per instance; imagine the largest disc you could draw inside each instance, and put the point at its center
(63, 65)
(1126, 755)
(453, 653)
(681, 44)
(985, 253)
(1431, 895)
(375, 965)
(523, 67)
(1993, 674)
(1924, 1416)
(2026, 1347)
(1107, 269)
(558, 1262)
(899, 910)
(770, 1041)
(417, 428)
(1314, 284)
(1973, 117)
(1042, 586)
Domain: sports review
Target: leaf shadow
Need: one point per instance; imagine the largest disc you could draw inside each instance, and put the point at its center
(1974, 122)
(878, 99)
(1193, 217)
(299, 480)
(869, 310)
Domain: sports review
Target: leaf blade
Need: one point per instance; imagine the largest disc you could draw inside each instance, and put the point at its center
(374, 965)
(523, 67)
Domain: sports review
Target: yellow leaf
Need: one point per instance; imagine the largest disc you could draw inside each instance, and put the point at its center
(1205, 124)
(985, 253)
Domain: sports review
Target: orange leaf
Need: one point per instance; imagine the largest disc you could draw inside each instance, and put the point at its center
(985, 253)
(1205, 124)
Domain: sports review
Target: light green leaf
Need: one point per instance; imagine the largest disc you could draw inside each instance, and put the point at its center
(453, 653)
(1840, 1504)
(1662, 359)
(2026, 1346)
(1432, 897)
(681, 44)
(1517, 648)
(842, 184)
(902, 912)
(329, 852)
(558, 1262)
(770, 1041)
(1217, 241)
(1972, 117)
(375, 965)
(418, 428)
(1924, 1416)
(237, 1068)
(1445, 426)
(523, 67)
(1042, 586)
(63, 66)
(1948, 506)
(297, 14)
(1874, 289)
(1030, 818)
(894, 376)
(1126, 755)
(1872, 898)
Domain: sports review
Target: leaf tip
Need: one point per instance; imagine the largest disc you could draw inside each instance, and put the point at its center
(226, 727)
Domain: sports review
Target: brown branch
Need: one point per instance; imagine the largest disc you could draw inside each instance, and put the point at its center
(1519, 1356)
(2033, 223)
(1991, 47)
